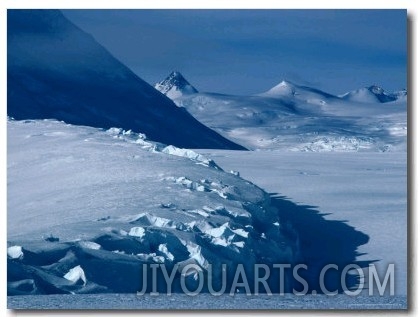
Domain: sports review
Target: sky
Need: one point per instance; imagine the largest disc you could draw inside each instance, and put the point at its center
(249, 51)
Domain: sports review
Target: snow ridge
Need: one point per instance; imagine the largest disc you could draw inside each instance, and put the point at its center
(141, 139)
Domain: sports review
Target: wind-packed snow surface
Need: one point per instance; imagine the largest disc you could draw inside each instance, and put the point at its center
(299, 118)
(55, 70)
(86, 208)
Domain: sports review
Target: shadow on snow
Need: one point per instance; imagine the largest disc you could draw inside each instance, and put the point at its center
(322, 242)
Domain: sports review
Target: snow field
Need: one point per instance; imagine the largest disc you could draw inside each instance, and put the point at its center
(91, 231)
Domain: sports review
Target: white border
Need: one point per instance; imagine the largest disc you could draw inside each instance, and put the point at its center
(223, 4)
(260, 4)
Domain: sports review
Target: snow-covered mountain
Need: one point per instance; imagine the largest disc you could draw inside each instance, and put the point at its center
(55, 70)
(301, 118)
(287, 89)
(175, 86)
(374, 94)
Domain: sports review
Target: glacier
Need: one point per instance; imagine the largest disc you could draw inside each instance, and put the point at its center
(144, 210)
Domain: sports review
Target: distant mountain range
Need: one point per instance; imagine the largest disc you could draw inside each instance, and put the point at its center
(175, 86)
(55, 70)
(300, 118)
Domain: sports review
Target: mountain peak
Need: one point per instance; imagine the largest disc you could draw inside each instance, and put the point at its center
(284, 88)
(285, 83)
(377, 90)
(175, 86)
(176, 74)
(371, 94)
